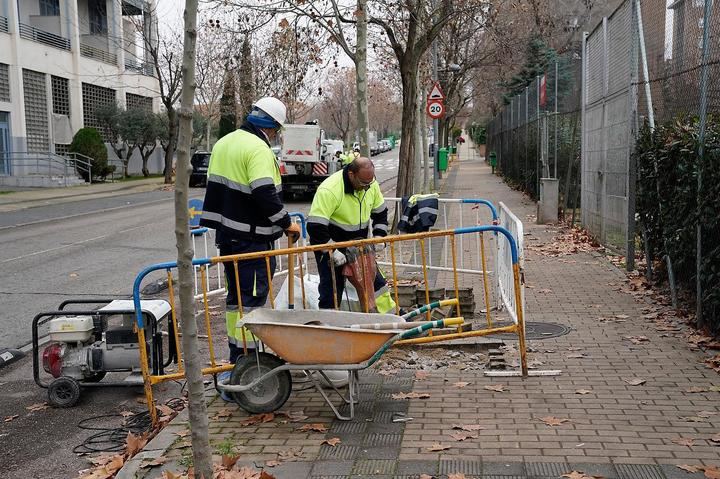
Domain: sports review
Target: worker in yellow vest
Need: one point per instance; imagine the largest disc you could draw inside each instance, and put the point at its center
(345, 207)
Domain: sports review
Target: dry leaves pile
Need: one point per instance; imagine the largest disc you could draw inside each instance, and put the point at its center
(581, 475)
(710, 472)
(411, 395)
(554, 421)
(569, 241)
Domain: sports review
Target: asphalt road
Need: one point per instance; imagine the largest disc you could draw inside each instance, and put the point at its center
(86, 248)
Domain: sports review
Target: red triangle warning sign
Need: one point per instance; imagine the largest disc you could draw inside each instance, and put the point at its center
(436, 92)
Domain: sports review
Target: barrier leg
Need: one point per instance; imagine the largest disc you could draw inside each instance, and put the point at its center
(173, 317)
(485, 281)
(521, 321)
(455, 278)
(206, 309)
(425, 276)
(291, 277)
(270, 285)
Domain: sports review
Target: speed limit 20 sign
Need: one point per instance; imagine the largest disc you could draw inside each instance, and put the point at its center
(435, 109)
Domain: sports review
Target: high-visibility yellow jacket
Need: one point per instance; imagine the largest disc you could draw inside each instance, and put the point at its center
(340, 213)
(243, 195)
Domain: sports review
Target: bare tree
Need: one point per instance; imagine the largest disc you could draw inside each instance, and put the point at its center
(336, 111)
(202, 458)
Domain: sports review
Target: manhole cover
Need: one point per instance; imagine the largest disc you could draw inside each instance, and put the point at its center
(537, 330)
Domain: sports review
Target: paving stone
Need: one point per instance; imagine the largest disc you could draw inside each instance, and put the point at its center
(451, 466)
(417, 467)
(374, 466)
(349, 427)
(339, 452)
(503, 468)
(291, 470)
(673, 472)
(606, 470)
(332, 468)
(546, 468)
(381, 439)
(639, 471)
(384, 452)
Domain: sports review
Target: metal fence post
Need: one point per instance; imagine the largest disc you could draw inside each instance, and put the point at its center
(707, 20)
(632, 127)
(555, 155)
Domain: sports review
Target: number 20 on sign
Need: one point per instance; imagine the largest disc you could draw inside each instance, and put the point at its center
(435, 109)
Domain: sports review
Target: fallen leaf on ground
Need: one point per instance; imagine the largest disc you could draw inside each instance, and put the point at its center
(460, 384)
(333, 441)
(11, 418)
(169, 475)
(293, 416)
(697, 390)
(622, 316)
(461, 436)
(715, 439)
(635, 381)
(583, 391)
(266, 475)
(411, 395)
(166, 410)
(257, 419)
(37, 406)
(468, 427)
(683, 441)
(576, 356)
(554, 421)
(689, 468)
(224, 412)
(272, 463)
(387, 372)
(141, 400)
(158, 461)
(712, 472)
(456, 476)
(421, 375)
(127, 413)
(183, 433)
(706, 414)
(581, 475)
(134, 444)
(495, 387)
(426, 476)
(693, 418)
(290, 455)
(317, 427)
(438, 447)
(637, 339)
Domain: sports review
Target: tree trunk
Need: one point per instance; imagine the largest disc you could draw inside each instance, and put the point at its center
(363, 122)
(420, 172)
(406, 169)
(202, 456)
(172, 142)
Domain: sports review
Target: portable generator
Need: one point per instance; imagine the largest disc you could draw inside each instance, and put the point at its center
(86, 344)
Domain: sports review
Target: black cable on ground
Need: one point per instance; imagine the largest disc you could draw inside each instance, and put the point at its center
(114, 439)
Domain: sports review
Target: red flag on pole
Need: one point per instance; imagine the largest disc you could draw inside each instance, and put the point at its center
(543, 91)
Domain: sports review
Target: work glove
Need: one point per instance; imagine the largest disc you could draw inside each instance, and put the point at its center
(293, 232)
(379, 247)
(338, 258)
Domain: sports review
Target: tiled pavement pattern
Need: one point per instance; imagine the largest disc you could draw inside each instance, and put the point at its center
(615, 429)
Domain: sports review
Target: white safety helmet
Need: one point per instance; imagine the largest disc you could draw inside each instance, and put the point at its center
(273, 107)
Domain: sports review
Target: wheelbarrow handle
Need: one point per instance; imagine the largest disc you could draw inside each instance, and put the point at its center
(439, 323)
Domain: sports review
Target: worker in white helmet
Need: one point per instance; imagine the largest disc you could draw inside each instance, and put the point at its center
(243, 205)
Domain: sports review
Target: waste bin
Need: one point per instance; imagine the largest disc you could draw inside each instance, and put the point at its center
(493, 160)
(442, 159)
(453, 150)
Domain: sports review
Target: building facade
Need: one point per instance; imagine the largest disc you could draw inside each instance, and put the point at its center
(59, 61)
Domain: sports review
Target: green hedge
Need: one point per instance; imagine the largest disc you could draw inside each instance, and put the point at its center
(667, 205)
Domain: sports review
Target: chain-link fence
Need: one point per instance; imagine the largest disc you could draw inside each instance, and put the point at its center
(537, 135)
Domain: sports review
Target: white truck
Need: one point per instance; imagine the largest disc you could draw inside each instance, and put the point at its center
(305, 160)
(373, 140)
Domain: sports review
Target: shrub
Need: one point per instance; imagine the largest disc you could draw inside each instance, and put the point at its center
(88, 142)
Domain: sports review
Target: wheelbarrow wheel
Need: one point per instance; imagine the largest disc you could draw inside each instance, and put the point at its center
(267, 396)
(63, 392)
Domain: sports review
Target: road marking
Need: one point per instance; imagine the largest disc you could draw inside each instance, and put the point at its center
(78, 243)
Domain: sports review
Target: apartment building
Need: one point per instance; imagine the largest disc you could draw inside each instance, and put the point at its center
(59, 61)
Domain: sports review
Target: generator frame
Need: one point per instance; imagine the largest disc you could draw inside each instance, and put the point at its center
(152, 330)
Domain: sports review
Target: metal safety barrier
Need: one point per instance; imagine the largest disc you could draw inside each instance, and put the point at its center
(214, 274)
(505, 287)
(153, 374)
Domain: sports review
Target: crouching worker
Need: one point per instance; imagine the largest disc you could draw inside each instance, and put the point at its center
(343, 209)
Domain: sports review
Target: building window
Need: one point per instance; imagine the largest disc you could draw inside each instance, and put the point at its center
(93, 97)
(98, 17)
(36, 113)
(60, 95)
(50, 8)
(138, 102)
(4, 83)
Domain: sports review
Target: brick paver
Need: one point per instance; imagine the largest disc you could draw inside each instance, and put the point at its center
(613, 428)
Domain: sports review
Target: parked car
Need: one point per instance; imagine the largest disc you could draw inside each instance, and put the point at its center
(199, 161)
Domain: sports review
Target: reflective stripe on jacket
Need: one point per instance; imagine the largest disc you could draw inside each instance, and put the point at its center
(242, 199)
(340, 213)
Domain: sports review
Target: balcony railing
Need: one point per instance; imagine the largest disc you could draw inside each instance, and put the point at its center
(3, 24)
(98, 54)
(145, 68)
(36, 35)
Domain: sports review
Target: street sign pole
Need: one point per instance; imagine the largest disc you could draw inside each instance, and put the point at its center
(436, 121)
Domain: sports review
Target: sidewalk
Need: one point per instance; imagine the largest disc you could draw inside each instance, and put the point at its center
(633, 400)
(28, 198)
